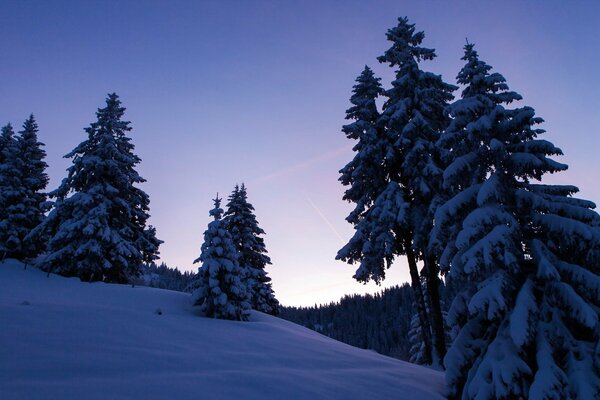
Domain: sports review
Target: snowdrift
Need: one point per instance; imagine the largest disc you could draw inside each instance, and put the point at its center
(64, 339)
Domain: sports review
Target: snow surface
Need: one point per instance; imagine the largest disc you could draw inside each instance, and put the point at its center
(64, 339)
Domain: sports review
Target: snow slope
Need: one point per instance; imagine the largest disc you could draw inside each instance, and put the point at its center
(64, 339)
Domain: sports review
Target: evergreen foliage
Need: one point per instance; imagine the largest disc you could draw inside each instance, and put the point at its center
(164, 277)
(240, 221)
(34, 183)
(394, 213)
(527, 255)
(379, 322)
(363, 174)
(12, 192)
(219, 286)
(97, 228)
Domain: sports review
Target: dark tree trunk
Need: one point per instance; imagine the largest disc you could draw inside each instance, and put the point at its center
(419, 300)
(435, 310)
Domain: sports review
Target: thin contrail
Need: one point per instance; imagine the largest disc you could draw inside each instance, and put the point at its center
(324, 218)
(303, 165)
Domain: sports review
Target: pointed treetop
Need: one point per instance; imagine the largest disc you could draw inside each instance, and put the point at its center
(7, 131)
(405, 49)
(367, 83)
(30, 125)
(364, 93)
(31, 148)
(216, 212)
(109, 117)
(475, 75)
(112, 101)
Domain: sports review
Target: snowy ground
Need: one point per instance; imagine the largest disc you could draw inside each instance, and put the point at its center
(64, 339)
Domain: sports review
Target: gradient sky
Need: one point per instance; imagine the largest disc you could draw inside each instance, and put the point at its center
(225, 92)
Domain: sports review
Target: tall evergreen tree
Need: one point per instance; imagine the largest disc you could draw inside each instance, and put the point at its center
(526, 254)
(240, 221)
(35, 180)
(400, 217)
(12, 209)
(219, 288)
(364, 174)
(97, 228)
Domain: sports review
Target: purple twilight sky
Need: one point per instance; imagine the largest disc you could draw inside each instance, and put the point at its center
(224, 92)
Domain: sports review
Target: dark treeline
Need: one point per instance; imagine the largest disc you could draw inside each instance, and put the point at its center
(379, 322)
(164, 277)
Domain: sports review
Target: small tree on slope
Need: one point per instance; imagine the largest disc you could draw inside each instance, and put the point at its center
(526, 254)
(97, 228)
(35, 180)
(219, 288)
(240, 221)
(12, 192)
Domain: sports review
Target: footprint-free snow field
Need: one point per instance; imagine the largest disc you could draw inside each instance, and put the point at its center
(64, 339)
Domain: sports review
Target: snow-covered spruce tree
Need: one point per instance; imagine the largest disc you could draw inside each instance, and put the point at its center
(219, 286)
(377, 210)
(240, 221)
(398, 220)
(12, 192)
(35, 180)
(527, 255)
(364, 174)
(367, 180)
(97, 228)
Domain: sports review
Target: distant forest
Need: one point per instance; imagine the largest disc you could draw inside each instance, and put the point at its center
(380, 322)
(163, 277)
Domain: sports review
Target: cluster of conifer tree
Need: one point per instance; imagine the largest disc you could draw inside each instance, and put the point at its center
(454, 186)
(22, 183)
(96, 227)
(232, 278)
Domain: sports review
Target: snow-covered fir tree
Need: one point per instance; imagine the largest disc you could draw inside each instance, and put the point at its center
(219, 287)
(240, 221)
(97, 228)
(364, 175)
(34, 183)
(397, 220)
(12, 192)
(526, 254)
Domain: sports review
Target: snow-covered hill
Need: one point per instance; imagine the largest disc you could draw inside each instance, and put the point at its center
(64, 339)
